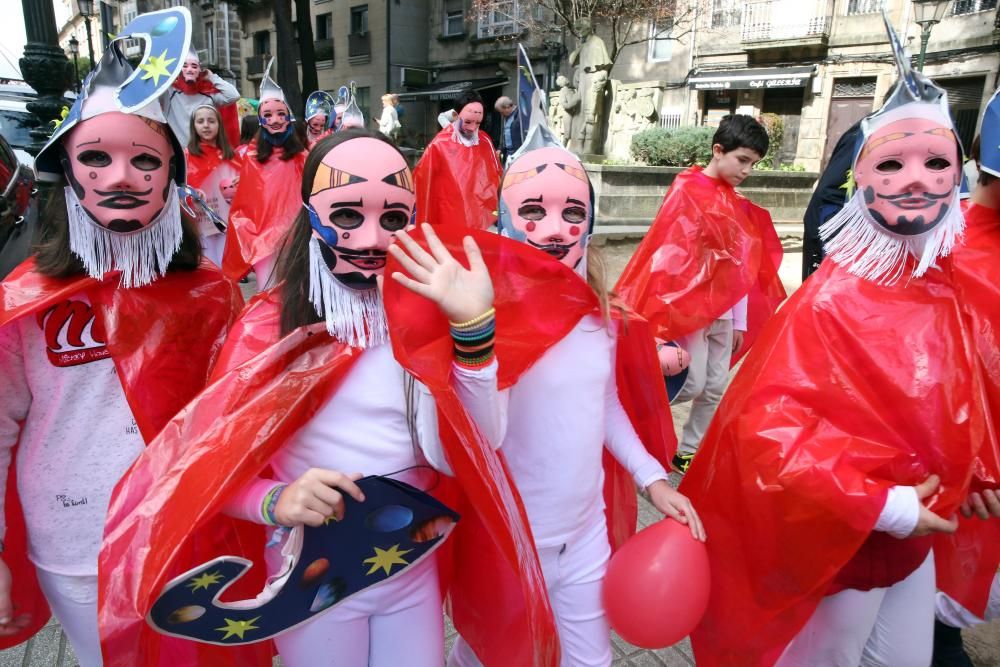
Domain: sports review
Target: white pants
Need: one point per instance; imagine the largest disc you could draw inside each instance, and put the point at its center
(711, 351)
(951, 613)
(883, 627)
(574, 574)
(73, 600)
(212, 246)
(263, 270)
(396, 623)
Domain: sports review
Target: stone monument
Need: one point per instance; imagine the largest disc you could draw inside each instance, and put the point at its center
(591, 65)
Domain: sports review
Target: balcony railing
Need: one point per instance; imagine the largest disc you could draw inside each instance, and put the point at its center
(323, 49)
(257, 63)
(780, 20)
(359, 45)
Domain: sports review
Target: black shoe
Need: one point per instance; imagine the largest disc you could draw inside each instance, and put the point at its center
(681, 462)
(948, 648)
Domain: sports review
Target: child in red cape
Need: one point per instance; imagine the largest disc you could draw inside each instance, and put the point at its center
(848, 436)
(196, 87)
(706, 273)
(214, 170)
(97, 351)
(458, 176)
(307, 392)
(266, 200)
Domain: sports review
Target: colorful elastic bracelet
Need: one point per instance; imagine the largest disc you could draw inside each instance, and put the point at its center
(474, 321)
(270, 502)
(473, 344)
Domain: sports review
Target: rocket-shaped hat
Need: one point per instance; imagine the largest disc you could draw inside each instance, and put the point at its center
(989, 138)
(907, 170)
(540, 150)
(115, 86)
(269, 89)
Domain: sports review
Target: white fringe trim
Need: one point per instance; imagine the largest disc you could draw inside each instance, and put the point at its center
(855, 241)
(142, 256)
(355, 317)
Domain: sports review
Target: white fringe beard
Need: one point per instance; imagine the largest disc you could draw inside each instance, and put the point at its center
(142, 256)
(355, 317)
(855, 241)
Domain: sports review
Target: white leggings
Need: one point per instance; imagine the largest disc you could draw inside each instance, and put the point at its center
(883, 627)
(396, 623)
(952, 613)
(73, 600)
(212, 247)
(574, 574)
(263, 271)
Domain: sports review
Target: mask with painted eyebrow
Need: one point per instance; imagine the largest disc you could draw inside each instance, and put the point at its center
(907, 172)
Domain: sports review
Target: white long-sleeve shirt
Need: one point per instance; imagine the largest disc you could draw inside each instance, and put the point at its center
(178, 107)
(78, 436)
(738, 314)
(363, 428)
(563, 412)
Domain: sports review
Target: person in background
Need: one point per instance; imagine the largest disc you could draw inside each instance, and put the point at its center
(459, 174)
(510, 132)
(213, 170)
(388, 122)
(196, 87)
(721, 248)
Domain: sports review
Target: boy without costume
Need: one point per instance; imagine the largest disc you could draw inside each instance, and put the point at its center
(706, 274)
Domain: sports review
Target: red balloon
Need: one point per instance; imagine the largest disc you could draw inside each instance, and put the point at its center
(656, 588)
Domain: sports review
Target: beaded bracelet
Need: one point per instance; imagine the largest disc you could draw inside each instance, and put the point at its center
(475, 320)
(473, 340)
(270, 502)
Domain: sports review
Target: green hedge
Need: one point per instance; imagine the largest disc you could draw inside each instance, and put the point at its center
(678, 147)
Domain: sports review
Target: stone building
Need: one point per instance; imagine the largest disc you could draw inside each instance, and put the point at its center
(818, 64)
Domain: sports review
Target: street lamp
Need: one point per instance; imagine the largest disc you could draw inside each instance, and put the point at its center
(86, 8)
(74, 49)
(927, 14)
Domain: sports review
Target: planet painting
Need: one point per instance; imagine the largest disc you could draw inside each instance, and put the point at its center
(314, 572)
(186, 614)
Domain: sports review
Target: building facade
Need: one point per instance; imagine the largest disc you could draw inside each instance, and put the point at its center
(820, 65)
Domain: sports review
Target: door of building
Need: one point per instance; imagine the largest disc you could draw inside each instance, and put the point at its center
(852, 100)
(786, 103)
(964, 97)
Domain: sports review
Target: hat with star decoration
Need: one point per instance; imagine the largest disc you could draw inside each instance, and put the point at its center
(115, 86)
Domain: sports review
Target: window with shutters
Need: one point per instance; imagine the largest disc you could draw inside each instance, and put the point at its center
(960, 7)
(864, 7)
(726, 13)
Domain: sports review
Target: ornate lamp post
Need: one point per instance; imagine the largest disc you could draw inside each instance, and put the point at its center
(86, 8)
(927, 14)
(44, 67)
(74, 49)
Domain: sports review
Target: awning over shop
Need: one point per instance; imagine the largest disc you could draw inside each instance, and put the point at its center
(451, 89)
(745, 79)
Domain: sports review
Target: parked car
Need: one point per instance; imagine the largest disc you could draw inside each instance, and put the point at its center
(16, 122)
(18, 209)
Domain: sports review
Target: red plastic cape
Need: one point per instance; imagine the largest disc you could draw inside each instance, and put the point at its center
(230, 115)
(851, 389)
(967, 560)
(458, 184)
(264, 389)
(707, 248)
(539, 312)
(267, 200)
(161, 360)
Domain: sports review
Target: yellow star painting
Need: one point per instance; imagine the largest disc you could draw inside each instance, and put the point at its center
(156, 67)
(238, 628)
(385, 558)
(204, 581)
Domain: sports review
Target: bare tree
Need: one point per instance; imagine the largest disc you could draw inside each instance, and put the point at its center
(626, 22)
(288, 71)
(307, 50)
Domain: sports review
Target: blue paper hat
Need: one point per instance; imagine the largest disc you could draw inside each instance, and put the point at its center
(989, 137)
(115, 86)
(321, 102)
(531, 103)
(393, 529)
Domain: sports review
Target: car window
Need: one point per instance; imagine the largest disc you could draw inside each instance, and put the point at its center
(15, 127)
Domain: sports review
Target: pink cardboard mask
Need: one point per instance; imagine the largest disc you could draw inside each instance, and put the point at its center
(547, 194)
(227, 187)
(191, 70)
(120, 166)
(274, 115)
(470, 117)
(907, 172)
(362, 194)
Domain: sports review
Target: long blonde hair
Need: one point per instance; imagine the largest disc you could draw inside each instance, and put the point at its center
(597, 278)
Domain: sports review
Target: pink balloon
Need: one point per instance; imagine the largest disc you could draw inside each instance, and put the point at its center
(656, 588)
